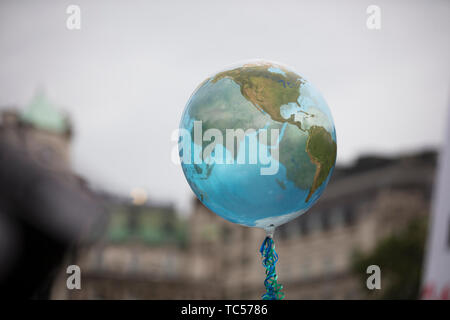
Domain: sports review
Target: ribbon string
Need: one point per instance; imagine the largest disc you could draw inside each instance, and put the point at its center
(270, 258)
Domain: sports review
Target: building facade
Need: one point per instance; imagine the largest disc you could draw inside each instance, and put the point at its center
(216, 259)
(42, 130)
(361, 205)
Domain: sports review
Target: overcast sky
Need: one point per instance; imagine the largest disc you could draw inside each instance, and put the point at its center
(126, 75)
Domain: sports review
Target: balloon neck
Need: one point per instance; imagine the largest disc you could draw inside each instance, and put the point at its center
(270, 230)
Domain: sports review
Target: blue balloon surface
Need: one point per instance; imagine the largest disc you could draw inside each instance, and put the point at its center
(257, 144)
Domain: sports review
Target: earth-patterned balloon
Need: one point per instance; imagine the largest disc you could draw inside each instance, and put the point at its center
(284, 148)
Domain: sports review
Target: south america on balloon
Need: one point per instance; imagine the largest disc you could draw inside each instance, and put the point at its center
(257, 145)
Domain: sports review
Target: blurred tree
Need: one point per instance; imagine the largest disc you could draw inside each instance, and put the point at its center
(400, 257)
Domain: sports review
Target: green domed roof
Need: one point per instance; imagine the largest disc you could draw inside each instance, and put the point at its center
(43, 114)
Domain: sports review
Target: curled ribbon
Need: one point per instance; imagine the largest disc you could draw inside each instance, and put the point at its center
(270, 258)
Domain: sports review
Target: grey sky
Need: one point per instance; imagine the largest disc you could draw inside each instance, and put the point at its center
(127, 74)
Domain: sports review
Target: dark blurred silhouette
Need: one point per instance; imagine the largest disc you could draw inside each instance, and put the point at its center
(44, 208)
(42, 214)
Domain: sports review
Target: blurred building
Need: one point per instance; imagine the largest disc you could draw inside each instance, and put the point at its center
(148, 252)
(361, 205)
(142, 254)
(42, 130)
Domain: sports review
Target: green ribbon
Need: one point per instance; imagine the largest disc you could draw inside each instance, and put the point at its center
(270, 258)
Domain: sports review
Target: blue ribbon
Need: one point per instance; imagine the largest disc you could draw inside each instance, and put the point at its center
(270, 258)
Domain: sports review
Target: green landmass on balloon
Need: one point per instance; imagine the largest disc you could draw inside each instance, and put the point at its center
(299, 167)
(267, 91)
(322, 150)
(222, 107)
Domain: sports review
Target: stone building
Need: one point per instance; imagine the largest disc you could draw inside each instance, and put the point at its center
(148, 252)
(140, 253)
(215, 259)
(42, 130)
(361, 205)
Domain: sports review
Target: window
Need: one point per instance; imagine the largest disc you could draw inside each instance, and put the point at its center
(325, 217)
(314, 221)
(245, 260)
(303, 225)
(349, 216)
(336, 217)
(226, 233)
(328, 265)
